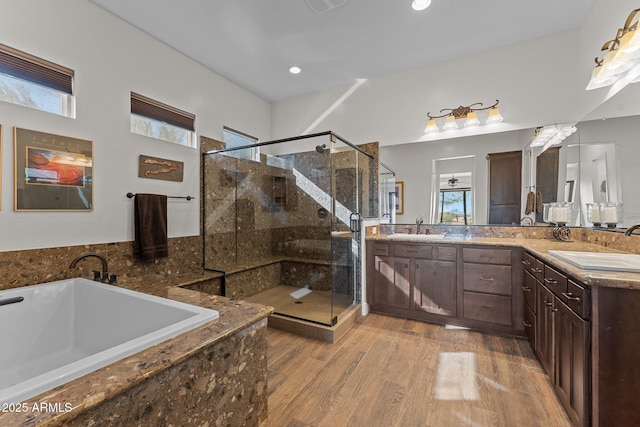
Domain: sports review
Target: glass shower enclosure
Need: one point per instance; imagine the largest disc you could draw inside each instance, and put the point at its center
(282, 222)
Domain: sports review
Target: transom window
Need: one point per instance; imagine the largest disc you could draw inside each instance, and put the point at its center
(233, 138)
(161, 121)
(36, 83)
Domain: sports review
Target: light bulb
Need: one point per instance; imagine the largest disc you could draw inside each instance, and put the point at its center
(432, 126)
(450, 123)
(420, 4)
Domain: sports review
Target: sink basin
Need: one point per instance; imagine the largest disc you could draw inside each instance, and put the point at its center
(418, 237)
(600, 260)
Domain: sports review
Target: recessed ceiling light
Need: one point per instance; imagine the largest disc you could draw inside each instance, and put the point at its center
(295, 70)
(420, 4)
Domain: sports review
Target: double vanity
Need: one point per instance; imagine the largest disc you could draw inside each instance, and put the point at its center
(579, 310)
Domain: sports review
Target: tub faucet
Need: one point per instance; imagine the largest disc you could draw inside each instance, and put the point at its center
(103, 276)
(631, 229)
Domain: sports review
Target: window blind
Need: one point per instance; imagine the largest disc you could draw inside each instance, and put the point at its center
(35, 70)
(152, 109)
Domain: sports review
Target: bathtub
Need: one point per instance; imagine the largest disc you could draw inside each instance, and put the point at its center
(62, 330)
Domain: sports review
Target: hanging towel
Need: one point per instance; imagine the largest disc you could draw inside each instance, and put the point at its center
(538, 203)
(531, 203)
(150, 221)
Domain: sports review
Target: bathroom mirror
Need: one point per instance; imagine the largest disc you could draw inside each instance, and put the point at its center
(609, 141)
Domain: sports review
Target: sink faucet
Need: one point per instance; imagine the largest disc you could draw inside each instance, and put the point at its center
(103, 276)
(631, 229)
(526, 221)
(419, 222)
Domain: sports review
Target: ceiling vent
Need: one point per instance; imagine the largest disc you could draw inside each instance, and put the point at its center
(323, 6)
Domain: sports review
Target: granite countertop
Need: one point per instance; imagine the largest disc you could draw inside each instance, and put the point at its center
(105, 383)
(540, 248)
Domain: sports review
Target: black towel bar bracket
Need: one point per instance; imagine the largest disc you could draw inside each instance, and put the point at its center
(132, 195)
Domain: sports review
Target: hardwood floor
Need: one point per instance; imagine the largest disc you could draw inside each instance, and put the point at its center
(389, 371)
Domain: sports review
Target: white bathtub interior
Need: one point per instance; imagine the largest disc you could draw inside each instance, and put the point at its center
(63, 330)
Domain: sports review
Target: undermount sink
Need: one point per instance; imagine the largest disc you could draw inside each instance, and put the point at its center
(600, 260)
(406, 236)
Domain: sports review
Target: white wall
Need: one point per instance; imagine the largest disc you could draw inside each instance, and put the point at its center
(538, 83)
(111, 59)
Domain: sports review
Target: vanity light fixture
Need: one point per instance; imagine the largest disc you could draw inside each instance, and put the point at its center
(546, 136)
(622, 55)
(469, 113)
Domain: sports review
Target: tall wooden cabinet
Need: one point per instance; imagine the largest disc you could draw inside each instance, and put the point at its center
(505, 187)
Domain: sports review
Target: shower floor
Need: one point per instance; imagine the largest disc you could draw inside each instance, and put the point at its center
(315, 306)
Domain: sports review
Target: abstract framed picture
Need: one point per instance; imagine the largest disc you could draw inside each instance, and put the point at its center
(52, 172)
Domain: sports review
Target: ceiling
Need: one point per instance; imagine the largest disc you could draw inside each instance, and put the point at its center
(254, 42)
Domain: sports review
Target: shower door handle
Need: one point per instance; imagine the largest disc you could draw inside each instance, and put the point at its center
(354, 220)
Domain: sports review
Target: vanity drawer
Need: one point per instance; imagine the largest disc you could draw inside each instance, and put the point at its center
(533, 265)
(494, 279)
(447, 253)
(487, 308)
(555, 281)
(487, 256)
(577, 298)
(413, 251)
(529, 291)
(379, 248)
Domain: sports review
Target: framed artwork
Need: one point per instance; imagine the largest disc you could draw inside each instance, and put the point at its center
(157, 168)
(399, 197)
(52, 172)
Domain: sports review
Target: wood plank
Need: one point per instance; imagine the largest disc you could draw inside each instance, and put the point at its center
(396, 372)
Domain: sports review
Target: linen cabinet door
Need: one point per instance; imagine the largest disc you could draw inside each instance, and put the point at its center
(392, 286)
(434, 290)
(544, 328)
(572, 363)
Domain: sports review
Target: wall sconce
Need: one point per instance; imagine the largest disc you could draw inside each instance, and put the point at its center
(469, 113)
(623, 54)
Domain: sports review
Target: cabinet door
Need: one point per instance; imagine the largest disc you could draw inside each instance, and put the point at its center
(544, 319)
(392, 285)
(571, 362)
(435, 286)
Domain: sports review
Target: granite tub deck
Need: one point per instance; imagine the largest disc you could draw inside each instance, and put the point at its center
(215, 373)
(541, 247)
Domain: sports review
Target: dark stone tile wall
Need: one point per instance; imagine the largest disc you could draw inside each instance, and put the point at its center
(30, 267)
(224, 385)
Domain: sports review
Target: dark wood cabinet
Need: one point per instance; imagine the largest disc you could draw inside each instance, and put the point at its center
(392, 286)
(571, 346)
(434, 289)
(475, 287)
(562, 335)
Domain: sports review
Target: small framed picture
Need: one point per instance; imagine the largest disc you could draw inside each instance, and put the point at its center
(399, 197)
(52, 172)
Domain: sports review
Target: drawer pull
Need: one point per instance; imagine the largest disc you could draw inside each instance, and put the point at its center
(527, 324)
(411, 251)
(486, 308)
(536, 270)
(526, 289)
(526, 262)
(570, 297)
(551, 281)
(488, 279)
(548, 304)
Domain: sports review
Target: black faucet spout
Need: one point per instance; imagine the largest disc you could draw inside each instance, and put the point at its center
(103, 261)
